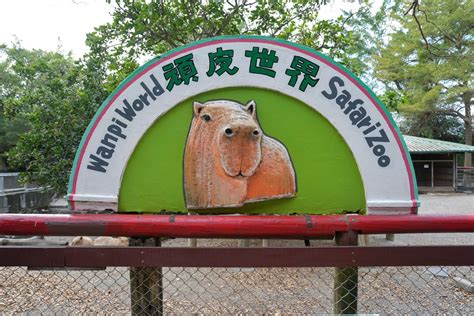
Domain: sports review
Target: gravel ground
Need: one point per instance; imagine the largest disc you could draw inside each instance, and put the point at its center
(387, 290)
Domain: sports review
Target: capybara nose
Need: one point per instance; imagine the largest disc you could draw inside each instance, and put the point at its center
(229, 132)
(242, 130)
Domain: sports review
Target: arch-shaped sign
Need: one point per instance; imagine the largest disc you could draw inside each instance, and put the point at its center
(240, 97)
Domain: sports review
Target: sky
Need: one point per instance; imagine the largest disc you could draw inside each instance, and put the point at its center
(47, 24)
(43, 24)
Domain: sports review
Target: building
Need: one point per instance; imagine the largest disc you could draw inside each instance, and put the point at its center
(436, 164)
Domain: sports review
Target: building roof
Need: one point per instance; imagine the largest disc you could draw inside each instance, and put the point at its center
(420, 145)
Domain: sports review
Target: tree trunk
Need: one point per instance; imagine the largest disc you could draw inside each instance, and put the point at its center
(3, 166)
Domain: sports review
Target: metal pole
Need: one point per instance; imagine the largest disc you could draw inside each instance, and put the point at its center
(146, 284)
(455, 173)
(222, 226)
(346, 279)
(432, 174)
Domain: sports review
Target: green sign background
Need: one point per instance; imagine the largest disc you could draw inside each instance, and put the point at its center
(328, 179)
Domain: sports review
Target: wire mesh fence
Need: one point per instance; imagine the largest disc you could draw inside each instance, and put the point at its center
(381, 290)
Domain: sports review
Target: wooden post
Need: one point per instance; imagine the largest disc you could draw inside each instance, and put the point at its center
(244, 243)
(146, 284)
(346, 279)
(363, 240)
(192, 242)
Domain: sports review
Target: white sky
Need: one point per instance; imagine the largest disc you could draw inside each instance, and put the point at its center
(43, 24)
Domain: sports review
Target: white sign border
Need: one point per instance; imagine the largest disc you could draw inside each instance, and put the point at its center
(81, 195)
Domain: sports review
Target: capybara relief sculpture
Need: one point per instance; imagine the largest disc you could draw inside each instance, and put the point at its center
(229, 161)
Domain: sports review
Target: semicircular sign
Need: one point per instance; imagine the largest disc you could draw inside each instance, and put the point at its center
(243, 124)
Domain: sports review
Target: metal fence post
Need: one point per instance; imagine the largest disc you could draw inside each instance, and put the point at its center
(146, 284)
(346, 279)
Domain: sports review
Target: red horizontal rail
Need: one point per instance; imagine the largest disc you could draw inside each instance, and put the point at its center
(224, 226)
(381, 224)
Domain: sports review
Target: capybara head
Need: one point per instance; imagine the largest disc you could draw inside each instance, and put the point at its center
(236, 134)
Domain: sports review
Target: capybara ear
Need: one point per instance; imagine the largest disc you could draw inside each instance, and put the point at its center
(251, 108)
(197, 108)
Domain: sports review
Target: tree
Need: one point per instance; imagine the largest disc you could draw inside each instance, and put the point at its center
(429, 62)
(369, 29)
(433, 125)
(57, 97)
(10, 129)
(142, 29)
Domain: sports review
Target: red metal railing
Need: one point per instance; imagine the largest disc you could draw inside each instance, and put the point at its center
(146, 285)
(211, 226)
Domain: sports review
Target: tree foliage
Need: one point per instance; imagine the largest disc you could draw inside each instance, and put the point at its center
(54, 96)
(57, 98)
(10, 128)
(369, 29)
(428, 63)
(433, 125)
(142, 29)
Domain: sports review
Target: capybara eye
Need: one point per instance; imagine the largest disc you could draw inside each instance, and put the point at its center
(206, 117)
(256, 132)
(229, 132)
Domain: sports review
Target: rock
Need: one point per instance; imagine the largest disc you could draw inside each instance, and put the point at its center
(111, 241)
(81, 241)
(464, 284)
